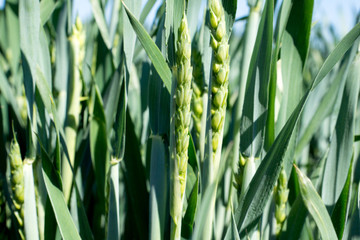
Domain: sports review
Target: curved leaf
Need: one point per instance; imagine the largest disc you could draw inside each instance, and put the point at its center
(8, 93)
(100, 21)
(29, 19)
(146, 10)
(299, 26)
(255, 198)
(295, 220)
(99, 144)
(66, 225)
(315, 206)
(158, 98)
(340, 214)
(135, 181)
(47, 7)
(254, 112)
(129, 36)
(340, 152)
(230, 7)
(151, 49)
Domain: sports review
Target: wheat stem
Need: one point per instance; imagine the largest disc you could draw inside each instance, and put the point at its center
(77, 47)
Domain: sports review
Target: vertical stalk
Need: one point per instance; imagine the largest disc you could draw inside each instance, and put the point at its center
(209, 229)
(30, 216)
(29, 213)
(246, 169)
(118, 145)
(77, 52)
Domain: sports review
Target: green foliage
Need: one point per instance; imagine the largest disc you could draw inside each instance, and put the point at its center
(174, 126)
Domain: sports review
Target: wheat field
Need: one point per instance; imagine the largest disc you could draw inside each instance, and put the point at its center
(114, 128)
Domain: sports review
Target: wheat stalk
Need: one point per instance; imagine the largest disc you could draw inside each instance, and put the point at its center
(77, 47)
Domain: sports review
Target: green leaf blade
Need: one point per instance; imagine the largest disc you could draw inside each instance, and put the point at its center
(30, 214)
(151, 49)
(99, 143)
(255, 198)
(254, 113)
(299, 26)
(316, 207)
(100, 20)
(340, 152)
(66, 225)
(341, 210)
(158, 188)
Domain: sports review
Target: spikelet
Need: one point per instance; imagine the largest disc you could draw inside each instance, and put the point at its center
(281, 197)
(198, 91)
(77, 47)
(239, 175)
(77, 40)
(17, 183)
(220, 72)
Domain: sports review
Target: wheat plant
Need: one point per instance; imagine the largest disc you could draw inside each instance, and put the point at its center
(176, 120)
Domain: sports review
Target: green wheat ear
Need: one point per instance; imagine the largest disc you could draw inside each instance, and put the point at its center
(198, 91)
(183, 100)
(281, 197)
(17, 183)
(183, 92)
(220, 72)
